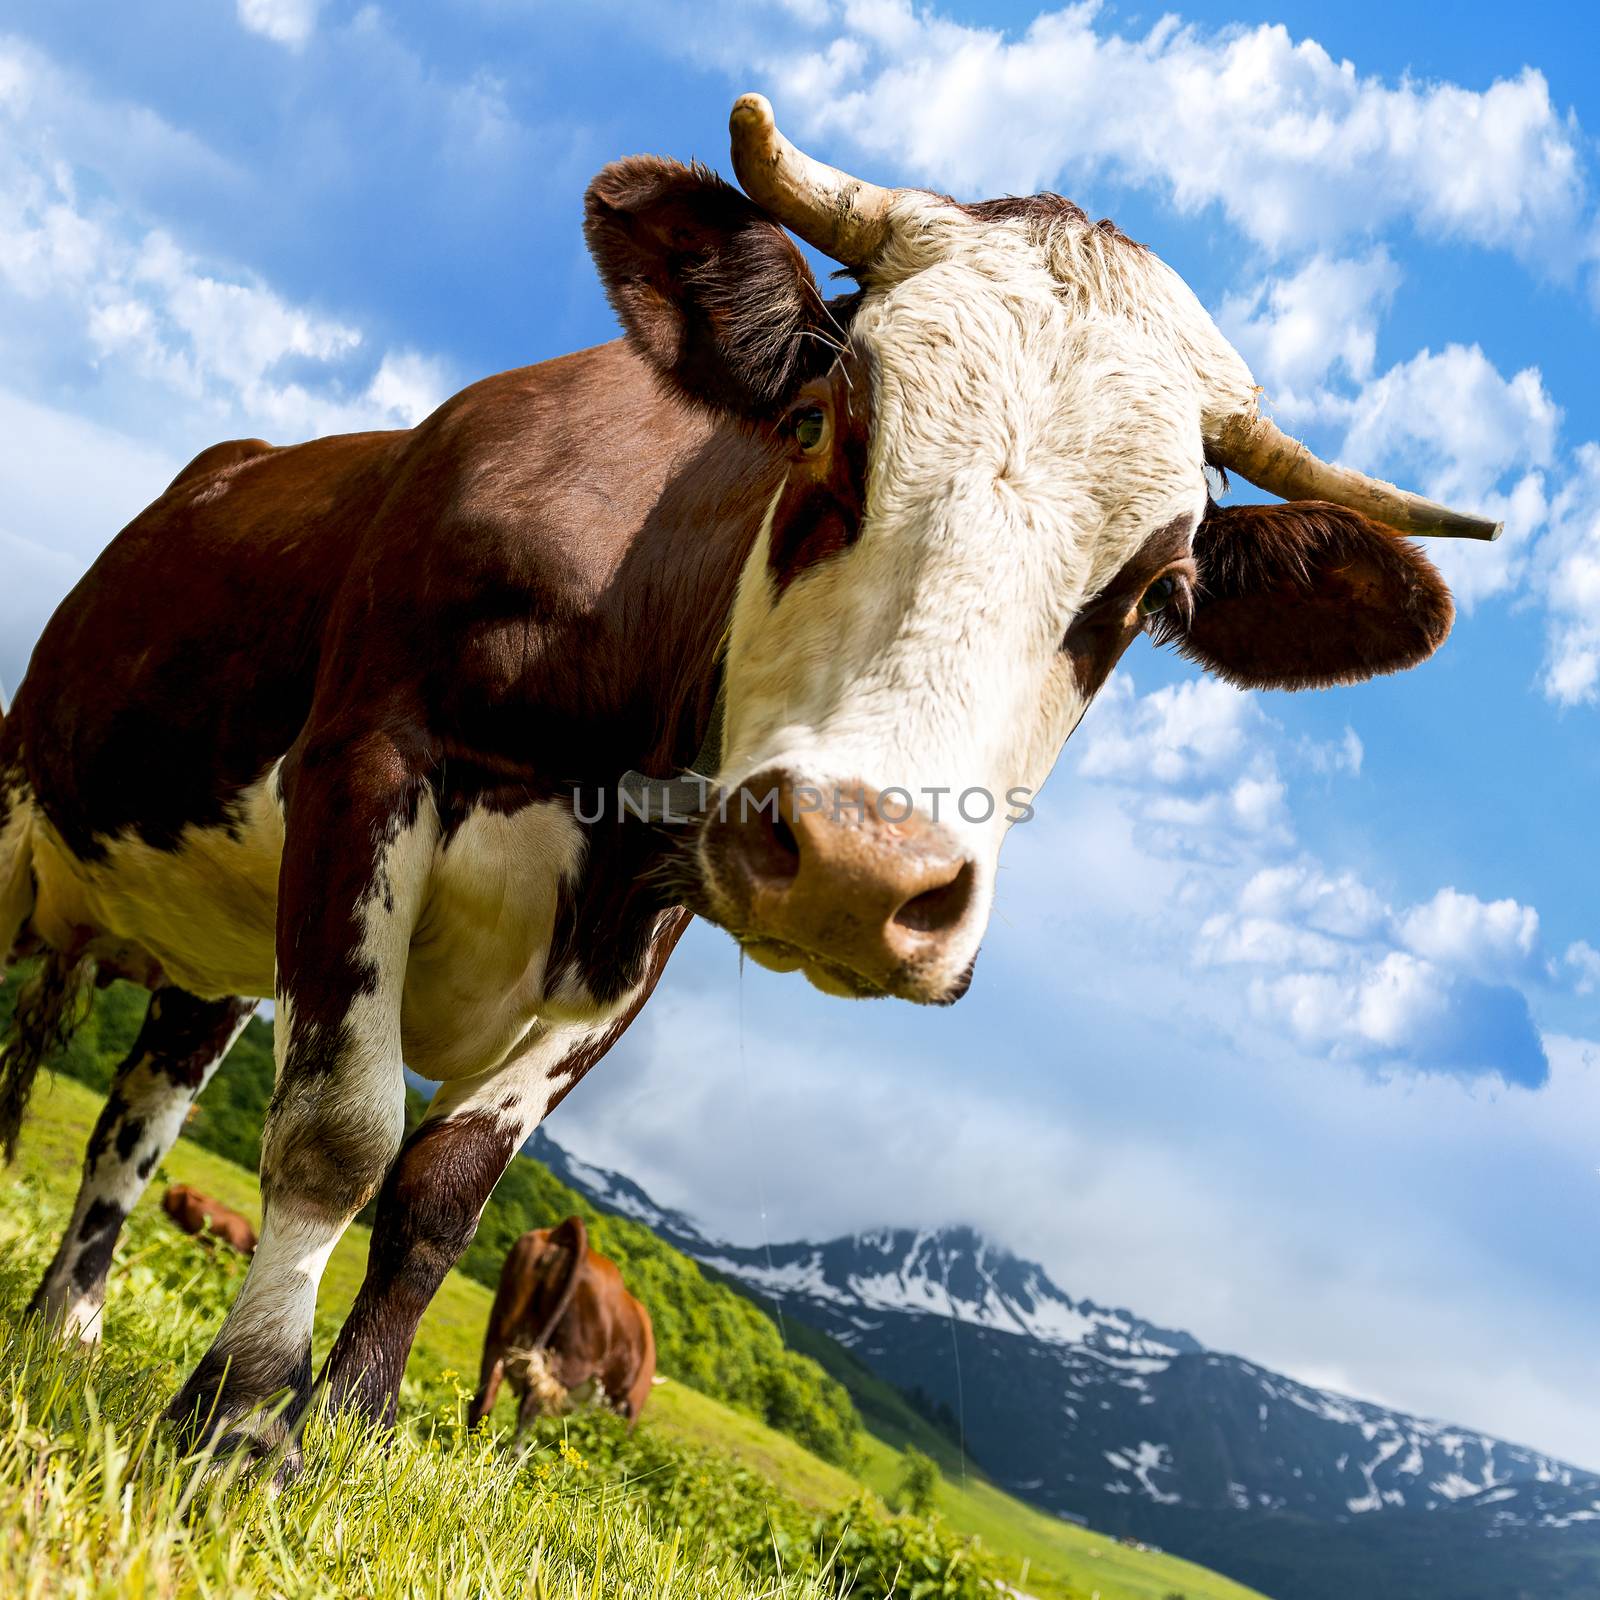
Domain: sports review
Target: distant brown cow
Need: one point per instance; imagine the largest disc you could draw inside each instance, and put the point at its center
(209, 1219)
(562, 1319)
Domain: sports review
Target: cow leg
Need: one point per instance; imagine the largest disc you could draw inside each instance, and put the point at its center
(429, 1208)
(490, 1372)
(508, 1311)
(435, 1193)
(360, 839)
(180, 1044)
(528, 1407)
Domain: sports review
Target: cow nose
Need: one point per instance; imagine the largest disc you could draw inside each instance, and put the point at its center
(842, 873)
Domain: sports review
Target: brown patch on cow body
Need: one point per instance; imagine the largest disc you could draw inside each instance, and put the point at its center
(823, 499)
(521, 598)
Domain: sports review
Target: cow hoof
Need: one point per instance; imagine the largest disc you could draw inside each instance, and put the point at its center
(245, 1455)
(72, 1321)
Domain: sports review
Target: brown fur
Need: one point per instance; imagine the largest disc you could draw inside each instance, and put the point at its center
(1305, 595)
(709, 287)
(824, 497)
(561, 1319)
(208, 1219)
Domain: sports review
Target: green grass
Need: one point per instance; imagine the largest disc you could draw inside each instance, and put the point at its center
(715, 1339)
(96, 1501)
(436, 1512)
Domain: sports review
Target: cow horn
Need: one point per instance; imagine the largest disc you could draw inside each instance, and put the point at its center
(1255, 448)
(839, 215)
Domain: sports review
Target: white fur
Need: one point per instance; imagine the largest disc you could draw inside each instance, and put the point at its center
(364, 1099)
(204, 917)
(476, 980)
(277, 1302)
(1038, 410)
(204, 913)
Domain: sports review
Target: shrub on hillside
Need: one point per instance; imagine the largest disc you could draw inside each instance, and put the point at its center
(919, 1481)
(717, 1505)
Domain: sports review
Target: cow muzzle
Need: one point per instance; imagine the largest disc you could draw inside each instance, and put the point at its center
(865, 895)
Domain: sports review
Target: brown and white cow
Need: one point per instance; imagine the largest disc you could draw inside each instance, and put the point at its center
(209, 1220)
(563, 1322)
(317, 723)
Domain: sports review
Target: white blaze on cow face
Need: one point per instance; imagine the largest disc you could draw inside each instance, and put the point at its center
(1038, 393)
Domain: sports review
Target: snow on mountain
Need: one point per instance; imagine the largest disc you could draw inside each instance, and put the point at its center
(611, 1191)
(951, 1273)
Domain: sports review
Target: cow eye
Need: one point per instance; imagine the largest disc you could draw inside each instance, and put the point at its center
(810, 429)
(1158, 596)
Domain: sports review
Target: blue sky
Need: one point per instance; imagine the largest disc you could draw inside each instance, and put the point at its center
(1285, 1028)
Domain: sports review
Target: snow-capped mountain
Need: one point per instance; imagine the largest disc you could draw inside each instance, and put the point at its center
(1069, 1402)
(613, 1192)
(1095, 1413)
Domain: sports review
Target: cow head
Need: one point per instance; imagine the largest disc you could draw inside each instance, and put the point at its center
(991, 477)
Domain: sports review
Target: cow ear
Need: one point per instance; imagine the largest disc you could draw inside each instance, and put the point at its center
(1306, 594)
(712, 292)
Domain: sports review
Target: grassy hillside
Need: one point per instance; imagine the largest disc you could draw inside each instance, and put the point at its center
(165, 1318)
(712, 1337)
(886, 1413)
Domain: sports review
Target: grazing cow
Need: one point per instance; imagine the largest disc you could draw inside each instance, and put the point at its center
(209, 1219)
(561, 1321)
(339, 721)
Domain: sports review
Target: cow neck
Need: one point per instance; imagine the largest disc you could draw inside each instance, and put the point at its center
(681, 799)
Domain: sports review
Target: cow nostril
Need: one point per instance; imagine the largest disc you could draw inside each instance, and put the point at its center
(784, 841)
(771, 850)
(939, 909)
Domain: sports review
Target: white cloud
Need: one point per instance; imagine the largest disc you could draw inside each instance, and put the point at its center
(1568, 579)
(1323, 960)
(1584, 960)
(1302, 892)
(1198, 764)
(1491, 939)
(286, 22)
(1186, 733)
(161, 350)
(1454, 416)
(1343, 755)
(216, 338)
(1296, 330)
(1295, 147)
(1294, 916)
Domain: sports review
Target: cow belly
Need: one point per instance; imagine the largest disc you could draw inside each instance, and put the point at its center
(201, 915)
(475, 980)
